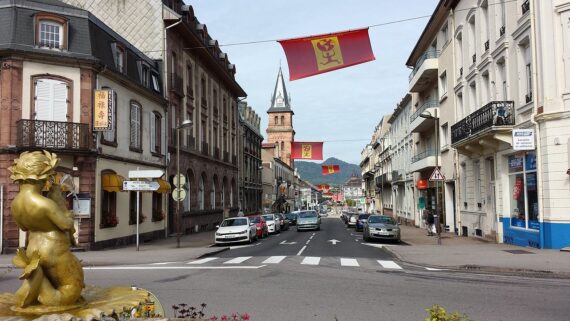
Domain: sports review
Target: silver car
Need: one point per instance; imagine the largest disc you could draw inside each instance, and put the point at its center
(381, 227)
(308, 220)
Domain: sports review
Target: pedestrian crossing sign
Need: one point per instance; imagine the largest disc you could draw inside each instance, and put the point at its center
(436, 175)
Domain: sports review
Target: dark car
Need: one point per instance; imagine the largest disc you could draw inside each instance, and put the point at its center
(362, 218)
(284, 221)
(292, 217)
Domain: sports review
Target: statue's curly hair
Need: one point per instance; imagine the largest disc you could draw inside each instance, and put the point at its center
(34, 166)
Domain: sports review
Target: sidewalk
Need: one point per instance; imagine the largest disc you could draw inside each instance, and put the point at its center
(192, 246)
(474, 254)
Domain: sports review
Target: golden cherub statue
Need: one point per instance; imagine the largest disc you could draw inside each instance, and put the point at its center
(52, 275)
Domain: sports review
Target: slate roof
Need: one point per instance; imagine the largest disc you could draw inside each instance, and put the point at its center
(280, 101)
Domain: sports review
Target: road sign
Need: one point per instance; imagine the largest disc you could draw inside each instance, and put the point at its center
(179, 194)
(179, 180)
(153, 173)
(436, 175)
(140, 186)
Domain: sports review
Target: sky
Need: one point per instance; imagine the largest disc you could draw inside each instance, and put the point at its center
(341, 107)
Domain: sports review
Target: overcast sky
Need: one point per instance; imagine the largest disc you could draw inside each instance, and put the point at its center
(341, 107)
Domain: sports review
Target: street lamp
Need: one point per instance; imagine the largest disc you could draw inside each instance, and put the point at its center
(186, 124)
(427, 115)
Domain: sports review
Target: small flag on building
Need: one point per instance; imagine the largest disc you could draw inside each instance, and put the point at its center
(330, 169)
(318, 54)
(307, 150)
(323, 187)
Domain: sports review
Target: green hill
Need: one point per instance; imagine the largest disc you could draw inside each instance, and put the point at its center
(312, 172)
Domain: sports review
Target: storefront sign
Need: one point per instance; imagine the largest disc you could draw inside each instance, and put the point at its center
(422, 184)
(516, 163)
(103, 110)
(523, 139)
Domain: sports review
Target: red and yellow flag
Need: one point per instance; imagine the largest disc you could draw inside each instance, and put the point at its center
(330, 169)
(323, 187)
(307, 150)
(314, 55)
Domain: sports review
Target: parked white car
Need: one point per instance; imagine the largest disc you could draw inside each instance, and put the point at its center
(273, 225)
(236, 229)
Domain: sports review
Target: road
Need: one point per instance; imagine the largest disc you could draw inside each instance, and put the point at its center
(304, 276)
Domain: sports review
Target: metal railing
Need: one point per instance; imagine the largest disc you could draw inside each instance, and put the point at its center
(495, 113)
(424, 154)
(429, 54)
(53, 135)
(432, 103)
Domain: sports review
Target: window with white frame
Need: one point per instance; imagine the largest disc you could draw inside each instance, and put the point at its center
(502, 80)
(463, 178)
(50, 34)
(526, 83)
(523, 190)
(477, 183)
(459, 54)
(444, 141)
(120, 59)
(473, 97)
(136, 126)
(155, 132)
(485, 90)
(444, 34)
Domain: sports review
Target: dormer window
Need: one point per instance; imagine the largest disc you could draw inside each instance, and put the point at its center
(120, 59)
(51, 31)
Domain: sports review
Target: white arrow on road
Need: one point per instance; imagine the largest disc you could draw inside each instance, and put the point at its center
(334, 241)
(285, 242)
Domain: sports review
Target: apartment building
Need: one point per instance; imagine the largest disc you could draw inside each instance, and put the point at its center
(200, 85)
(56, 60)
(250, 182)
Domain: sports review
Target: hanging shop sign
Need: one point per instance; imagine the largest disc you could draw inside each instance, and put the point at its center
(523, 139)
(422, 184)
(103, 110)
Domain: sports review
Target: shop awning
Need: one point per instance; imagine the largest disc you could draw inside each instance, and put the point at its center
(164, 186)
(112, 182)
(56, 180)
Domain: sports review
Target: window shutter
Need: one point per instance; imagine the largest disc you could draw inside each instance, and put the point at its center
(59, 101)
(133, 126)
(153, 137)
(43, 104)
(163, 134)
(138, 126)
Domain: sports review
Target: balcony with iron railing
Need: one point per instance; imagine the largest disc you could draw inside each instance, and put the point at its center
(425, 71)
(398, 175)
(419, 124)
(495, 118)
(53, 135)
(423, 160)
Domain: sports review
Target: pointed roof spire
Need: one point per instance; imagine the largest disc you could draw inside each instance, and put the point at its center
(280, 100)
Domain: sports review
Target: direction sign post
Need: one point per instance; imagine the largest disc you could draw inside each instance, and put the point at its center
(140, 186)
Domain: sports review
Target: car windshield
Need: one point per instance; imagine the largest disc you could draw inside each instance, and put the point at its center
(363, 216)
(235, 222)
(268, 217)
(307, 214)
(291, 216)
(381, 219)
(256, 219)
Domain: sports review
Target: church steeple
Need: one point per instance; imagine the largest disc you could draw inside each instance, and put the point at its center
(280, 123)
(280, 101)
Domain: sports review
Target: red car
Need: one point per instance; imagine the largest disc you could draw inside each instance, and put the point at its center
(260, 225)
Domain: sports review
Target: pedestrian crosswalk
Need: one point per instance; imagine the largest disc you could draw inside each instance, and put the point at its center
(306, 260)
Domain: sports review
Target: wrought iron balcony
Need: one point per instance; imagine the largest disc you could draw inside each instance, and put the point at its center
(53, 135)
(486, 45)
(397, 175)
(428, 104)
(495, 113)
(474, 58)
(502, 31)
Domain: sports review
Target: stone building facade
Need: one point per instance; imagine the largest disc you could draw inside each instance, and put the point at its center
(250, 182)
(200, 85)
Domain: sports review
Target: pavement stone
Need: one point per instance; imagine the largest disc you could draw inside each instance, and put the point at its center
(477, 254)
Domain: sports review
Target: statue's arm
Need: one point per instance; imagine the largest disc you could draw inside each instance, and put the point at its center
(58, 217)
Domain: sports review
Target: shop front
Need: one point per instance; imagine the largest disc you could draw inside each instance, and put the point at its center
(522, 227)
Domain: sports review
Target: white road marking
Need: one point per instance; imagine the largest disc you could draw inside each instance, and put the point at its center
(434, 269)
(238, 260)
(172, 267)
(308, 242)
(301, 251)
(311, 237)
(202, 261)
(274, 260)
(389, 265)
(349, 262)
(243, 246)
(311, 260)
(163, 263)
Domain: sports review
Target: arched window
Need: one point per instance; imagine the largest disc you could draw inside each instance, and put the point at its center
(201, 194)
(51, 31)
(282, 120)
(232, 195)
(276, 119)
(223, 195)
(282, 146)
(109, 189)
(213, 195)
